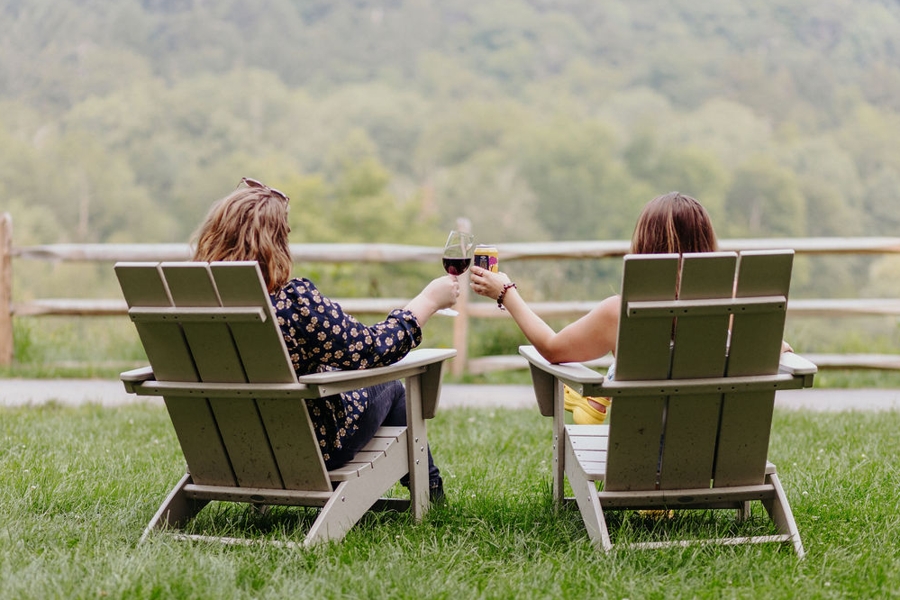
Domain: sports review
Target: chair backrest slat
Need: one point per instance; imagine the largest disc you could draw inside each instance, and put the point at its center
(294, 444)
(644, 345)
(746, 420)
(756, 338)
(699, 349)
(644, 352)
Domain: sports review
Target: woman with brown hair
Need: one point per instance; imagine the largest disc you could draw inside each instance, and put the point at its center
(251, 223)
(672, 223)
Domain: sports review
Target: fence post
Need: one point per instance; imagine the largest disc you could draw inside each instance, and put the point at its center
(6, 329)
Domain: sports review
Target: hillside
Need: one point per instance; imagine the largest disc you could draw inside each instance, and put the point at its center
(122, 120)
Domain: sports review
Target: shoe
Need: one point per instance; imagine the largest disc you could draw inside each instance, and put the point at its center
(435, 488)
(436, 491)
(582, 409)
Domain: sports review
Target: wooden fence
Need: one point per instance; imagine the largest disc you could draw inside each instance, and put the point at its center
(394, 253)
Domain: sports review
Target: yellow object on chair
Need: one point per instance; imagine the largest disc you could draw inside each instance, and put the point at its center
(582, 411)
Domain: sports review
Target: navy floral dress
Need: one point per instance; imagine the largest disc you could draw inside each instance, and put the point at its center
(320, 336)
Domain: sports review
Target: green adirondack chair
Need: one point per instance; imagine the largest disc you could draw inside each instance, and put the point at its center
(698, 364)
(218, 359)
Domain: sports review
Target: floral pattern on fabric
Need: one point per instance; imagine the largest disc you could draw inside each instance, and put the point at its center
(320, 336)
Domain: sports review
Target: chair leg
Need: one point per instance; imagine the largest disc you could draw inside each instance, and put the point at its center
(559, 444)
(417, 449)
(743, 513)
(592, 514)
(351, 499)
(780, 512)
(336, 518)
(588, 501)
(176, 510)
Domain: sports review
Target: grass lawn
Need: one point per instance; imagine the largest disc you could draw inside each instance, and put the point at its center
(78, 485)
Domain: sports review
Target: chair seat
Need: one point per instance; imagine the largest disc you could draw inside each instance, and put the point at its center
(387, 441)
(590, 444)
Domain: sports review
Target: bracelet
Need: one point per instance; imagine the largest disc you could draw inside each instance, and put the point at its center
(506, 288)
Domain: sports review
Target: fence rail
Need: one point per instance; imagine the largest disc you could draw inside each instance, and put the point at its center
(398, 253)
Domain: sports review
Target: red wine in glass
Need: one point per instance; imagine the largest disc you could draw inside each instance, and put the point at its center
(456, 266)
(457, 258)
(458, 251)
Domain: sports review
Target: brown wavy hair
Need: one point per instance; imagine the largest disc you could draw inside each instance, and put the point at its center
(673, 223)
(250, 223)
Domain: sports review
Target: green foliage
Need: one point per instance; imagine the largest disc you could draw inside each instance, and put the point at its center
(884, 276)
(61, 340)
(765, 200)
(24, 348)
(386, 122)
(495, 338)
(582, 190)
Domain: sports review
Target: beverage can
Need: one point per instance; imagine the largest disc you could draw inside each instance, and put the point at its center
(487, 257)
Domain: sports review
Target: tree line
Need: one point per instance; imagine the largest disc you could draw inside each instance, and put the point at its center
(122, 120)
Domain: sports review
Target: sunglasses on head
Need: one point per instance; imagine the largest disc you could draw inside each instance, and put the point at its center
(252, 183)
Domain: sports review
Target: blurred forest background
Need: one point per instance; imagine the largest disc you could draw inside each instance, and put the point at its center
(385, 121)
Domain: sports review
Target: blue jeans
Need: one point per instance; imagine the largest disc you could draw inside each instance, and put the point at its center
(386, 407)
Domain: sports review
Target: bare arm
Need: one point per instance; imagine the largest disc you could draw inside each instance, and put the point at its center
(591, 336)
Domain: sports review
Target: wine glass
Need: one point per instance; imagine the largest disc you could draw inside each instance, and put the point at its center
(458, 250)
(457, 258)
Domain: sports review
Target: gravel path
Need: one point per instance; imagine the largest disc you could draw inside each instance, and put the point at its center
(19, 392)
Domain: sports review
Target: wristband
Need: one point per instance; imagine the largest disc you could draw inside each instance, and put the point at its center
(506, 288)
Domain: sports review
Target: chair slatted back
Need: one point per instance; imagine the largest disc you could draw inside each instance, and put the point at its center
(694, 440)
(756, 338)
(243, 439)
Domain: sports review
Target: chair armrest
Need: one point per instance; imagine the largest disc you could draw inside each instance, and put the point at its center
(796, 365)
(366, 377)
(136, 376)
(427, 363)
(544, 376)
(575, 375)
